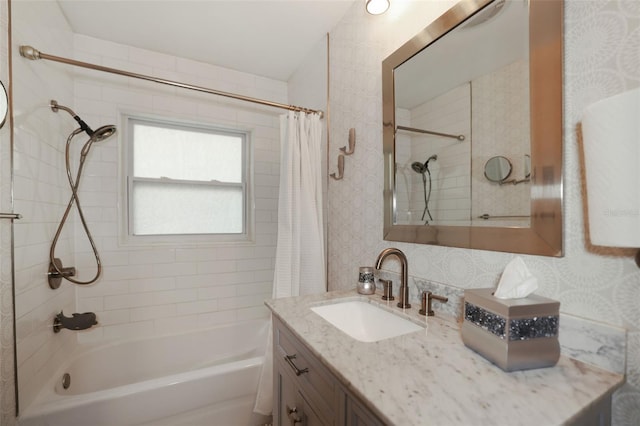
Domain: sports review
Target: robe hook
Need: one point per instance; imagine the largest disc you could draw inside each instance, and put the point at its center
(352, 143)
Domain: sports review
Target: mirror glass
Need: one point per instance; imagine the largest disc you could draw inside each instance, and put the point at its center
(497, 169)
(456, 98)
(4, 104)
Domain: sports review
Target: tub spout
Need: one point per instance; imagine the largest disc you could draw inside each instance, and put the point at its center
(75, 322)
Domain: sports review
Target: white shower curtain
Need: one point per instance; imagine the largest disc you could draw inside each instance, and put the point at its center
(300, 260)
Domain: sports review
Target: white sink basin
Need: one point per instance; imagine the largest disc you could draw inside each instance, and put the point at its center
(364, 321)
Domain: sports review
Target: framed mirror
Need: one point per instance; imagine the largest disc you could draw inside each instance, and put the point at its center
(484, 79)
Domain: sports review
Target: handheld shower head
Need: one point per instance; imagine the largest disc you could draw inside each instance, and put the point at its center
(98, 135)
(102, 133)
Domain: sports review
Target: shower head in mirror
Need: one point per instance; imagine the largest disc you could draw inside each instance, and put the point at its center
(423, 167)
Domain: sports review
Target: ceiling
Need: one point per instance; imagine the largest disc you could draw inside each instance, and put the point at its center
(270, 38)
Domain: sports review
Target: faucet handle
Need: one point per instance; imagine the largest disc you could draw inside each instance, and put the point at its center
(427, 297)
(387, 285)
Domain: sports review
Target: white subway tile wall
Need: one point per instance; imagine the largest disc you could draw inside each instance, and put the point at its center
(158, 289)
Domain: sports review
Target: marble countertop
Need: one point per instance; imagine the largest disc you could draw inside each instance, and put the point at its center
(431, 377)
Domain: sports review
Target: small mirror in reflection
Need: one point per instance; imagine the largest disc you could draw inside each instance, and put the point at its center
(3, 105)
(497, 169)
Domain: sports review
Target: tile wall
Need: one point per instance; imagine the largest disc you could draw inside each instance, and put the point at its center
(601, 45)
(157, 289)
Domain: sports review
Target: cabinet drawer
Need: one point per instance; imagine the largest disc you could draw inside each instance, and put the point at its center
(314, 379)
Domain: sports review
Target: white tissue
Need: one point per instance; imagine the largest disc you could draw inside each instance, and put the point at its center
(516, 281)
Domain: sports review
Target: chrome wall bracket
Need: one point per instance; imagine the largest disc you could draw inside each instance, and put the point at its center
(55, 277)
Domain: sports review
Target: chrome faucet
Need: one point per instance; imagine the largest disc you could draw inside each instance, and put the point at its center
(404, 277)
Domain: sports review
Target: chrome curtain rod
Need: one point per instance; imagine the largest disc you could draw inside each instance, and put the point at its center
(429, 132)
(30, 52)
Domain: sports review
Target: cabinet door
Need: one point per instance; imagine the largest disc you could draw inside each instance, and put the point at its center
(293, 409)
(287, 411)
(310, 418)
(316, 385)
(357, 415)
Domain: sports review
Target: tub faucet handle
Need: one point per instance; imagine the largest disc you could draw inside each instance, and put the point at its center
(75, 322)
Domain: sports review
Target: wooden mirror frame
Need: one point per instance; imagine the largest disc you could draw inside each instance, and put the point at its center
(544, 235)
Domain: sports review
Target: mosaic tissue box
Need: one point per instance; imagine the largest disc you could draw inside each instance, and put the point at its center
(514, 334)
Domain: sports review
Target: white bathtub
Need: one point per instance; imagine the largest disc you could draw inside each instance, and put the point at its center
(206, 377)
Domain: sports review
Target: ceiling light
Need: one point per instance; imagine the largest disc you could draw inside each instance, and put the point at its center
(377, 7)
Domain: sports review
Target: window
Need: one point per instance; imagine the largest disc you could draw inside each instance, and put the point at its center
(186, 180)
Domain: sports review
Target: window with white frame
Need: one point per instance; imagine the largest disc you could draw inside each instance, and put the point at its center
(187, 180)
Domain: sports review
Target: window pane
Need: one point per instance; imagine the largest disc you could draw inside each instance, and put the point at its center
(187, 154)
(164, 208)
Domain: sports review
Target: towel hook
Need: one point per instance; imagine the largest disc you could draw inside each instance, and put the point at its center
(352, 143)
(340, 174)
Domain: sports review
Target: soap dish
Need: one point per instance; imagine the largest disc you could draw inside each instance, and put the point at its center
(514, 334)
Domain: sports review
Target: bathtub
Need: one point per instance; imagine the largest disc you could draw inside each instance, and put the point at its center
(206, 377)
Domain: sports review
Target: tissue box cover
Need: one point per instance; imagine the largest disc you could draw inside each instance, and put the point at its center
(514, 334)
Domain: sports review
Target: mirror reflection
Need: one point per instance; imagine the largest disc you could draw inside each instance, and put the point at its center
(497, 169)
(465, 100)
(4, 103)
(458, 92)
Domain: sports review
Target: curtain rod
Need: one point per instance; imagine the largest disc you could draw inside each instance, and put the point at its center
(30, 52)
(429, 132)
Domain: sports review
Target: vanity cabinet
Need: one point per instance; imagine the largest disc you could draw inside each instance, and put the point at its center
(306, 393)
(358, 415)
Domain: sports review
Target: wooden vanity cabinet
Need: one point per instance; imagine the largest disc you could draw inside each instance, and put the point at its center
(358, 415)
(306, 393)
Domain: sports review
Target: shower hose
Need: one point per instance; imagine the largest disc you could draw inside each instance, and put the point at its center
(74, 199)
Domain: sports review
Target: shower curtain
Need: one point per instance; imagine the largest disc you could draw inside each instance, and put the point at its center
(300, 259)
